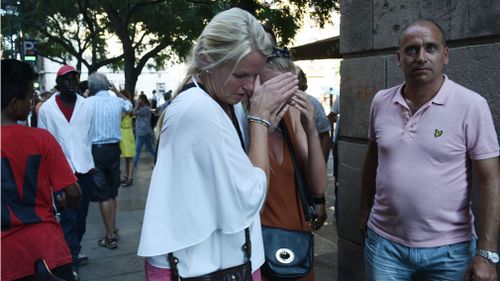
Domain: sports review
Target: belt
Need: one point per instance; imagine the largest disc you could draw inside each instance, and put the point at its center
(105, 144)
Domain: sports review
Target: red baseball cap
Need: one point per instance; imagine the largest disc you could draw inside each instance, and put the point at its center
(65, 69)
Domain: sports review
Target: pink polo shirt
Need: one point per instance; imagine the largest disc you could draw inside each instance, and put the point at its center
(423, 187)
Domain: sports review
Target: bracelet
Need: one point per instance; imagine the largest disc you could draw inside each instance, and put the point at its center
(256, 119)
(259, 122)
(319, 200)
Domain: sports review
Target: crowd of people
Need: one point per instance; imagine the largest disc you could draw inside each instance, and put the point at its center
(240, 171)
(91, 122)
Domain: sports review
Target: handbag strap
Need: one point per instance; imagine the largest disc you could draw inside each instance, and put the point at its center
(173, 261)
(299, 180)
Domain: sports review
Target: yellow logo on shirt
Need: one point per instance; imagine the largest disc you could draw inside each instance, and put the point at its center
(438, 133)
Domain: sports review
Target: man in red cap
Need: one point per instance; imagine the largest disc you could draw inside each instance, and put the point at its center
(69, 118)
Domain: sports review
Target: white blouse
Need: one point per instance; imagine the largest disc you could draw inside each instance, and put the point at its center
(204, 191)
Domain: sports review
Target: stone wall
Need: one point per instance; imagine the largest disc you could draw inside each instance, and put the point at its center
(369, 36)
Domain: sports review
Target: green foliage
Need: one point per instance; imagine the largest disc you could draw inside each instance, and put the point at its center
(10, 35)
(151, 33)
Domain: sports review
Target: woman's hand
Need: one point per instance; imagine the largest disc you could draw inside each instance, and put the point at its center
(276, 116)
(272, 96)
(302, 102)
(321, 214)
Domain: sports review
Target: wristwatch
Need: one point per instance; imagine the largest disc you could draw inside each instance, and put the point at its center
(319, 200)
(491, 257)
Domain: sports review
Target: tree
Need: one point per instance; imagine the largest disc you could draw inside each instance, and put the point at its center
(151, 32)
(154, 30)
(66, 30)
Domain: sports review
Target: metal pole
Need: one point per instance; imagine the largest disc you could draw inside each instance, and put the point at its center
(12, 47)
(21, 39)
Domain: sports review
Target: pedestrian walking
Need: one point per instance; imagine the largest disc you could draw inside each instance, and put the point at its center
(33, 167)
(127, 144)
(106, 151)
(69, 118)
(143, 129)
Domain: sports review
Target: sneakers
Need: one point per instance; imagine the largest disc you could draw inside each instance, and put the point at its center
(110, 243)
(75, 275)
(83, 259)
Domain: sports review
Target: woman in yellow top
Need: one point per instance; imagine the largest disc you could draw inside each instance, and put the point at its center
(127, 144)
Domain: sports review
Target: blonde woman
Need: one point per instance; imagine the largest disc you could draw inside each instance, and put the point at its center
(206, 192)
(282, 208)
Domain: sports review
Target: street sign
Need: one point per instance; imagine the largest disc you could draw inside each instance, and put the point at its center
(30, 50)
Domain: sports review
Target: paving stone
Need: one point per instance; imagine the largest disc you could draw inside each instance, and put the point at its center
(123, 264)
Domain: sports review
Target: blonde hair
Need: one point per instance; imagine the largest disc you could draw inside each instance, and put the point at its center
(280, 64)
(228, 38)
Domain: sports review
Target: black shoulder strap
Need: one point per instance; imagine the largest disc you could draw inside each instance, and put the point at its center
(236, 124)
(304, 193)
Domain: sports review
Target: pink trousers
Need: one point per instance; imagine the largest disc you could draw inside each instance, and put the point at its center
(163, 274)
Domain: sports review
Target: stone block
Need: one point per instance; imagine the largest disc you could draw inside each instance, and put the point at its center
(394, 73)
(458, 19)
(355, 26)
(462, 19)
(350, 261)
(361, 78)
(389, 18)
(478, 68)
(351, 157)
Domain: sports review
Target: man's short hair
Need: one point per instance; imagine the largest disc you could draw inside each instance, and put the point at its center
(98, 82)
(16, 79)
(420, 23)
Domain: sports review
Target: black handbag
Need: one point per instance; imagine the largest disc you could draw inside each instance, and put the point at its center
(289, 253)
(241, 272)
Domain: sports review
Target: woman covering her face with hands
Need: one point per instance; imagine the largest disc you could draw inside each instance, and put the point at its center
(282, 208)
(205, 188)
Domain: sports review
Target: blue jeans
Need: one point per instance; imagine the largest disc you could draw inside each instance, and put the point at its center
(141, 140)
(73, 220)
(386, 260)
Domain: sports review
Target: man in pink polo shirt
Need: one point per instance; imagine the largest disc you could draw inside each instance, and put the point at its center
(425, 136)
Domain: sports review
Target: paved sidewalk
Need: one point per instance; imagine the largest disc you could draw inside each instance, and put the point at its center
(123, 264)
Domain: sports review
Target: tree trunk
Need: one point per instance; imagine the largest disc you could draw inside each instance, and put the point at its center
(131, 73)
(131, 77)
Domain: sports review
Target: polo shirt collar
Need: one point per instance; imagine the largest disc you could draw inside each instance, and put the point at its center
(439, 98)
(102, 93)
(444, 92)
